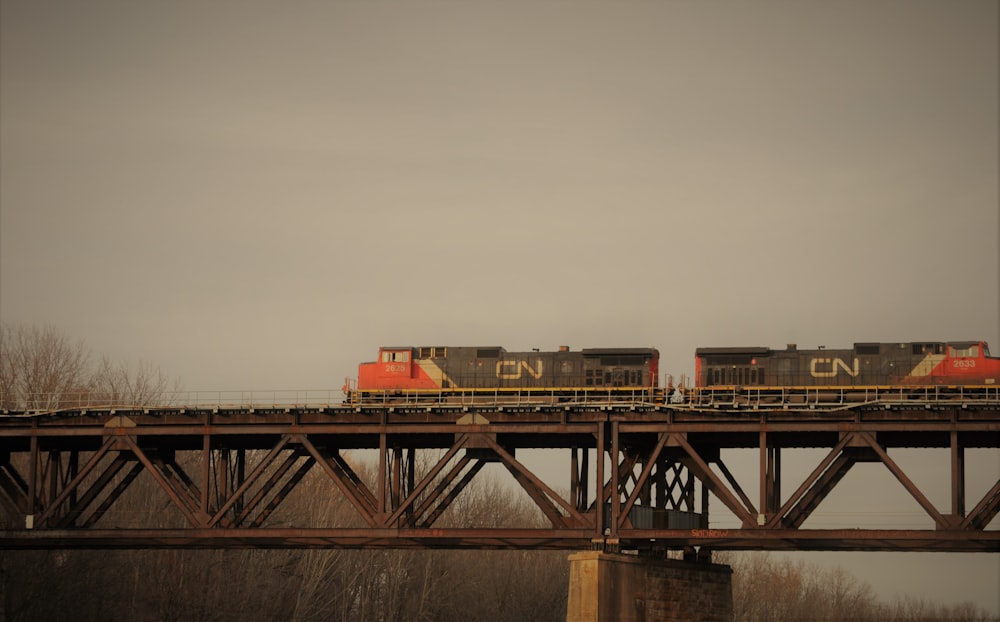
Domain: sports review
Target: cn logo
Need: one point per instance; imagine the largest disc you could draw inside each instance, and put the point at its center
(830, 367)
(512, 370)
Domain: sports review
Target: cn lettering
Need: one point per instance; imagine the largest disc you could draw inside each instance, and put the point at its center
(830, 367)
(512, 370)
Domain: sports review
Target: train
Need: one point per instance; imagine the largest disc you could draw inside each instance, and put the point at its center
(494, 374)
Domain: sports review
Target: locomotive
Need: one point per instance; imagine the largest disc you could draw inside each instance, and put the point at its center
(492, 374)
(952, 363)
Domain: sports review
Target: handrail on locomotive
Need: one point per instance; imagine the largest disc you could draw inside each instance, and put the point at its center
(680, 397)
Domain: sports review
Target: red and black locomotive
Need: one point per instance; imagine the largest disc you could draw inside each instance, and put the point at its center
(434, 371)
(494, 374)
(953, 363)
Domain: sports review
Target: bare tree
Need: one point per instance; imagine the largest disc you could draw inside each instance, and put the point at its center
(43, 369)
(123, 385)
(40, 368)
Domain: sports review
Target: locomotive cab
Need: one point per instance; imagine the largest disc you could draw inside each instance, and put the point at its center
(970, 362)
(392, 370)
(404, 368)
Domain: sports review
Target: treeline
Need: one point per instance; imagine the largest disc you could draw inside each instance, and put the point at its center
(396, 585)
(769, 588)
(299, 584)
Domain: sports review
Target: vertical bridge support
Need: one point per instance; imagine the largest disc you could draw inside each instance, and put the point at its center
(606, 587)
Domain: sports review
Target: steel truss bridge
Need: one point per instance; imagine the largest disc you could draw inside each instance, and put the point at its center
(640, 475)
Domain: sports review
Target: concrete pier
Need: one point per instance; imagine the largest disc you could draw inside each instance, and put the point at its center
(605, 587)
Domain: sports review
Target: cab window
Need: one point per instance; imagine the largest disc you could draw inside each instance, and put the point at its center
(395, 357)
(970, 352)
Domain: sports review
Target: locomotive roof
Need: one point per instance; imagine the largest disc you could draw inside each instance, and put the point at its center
(617, 351)
(584, 351)
(751, 350)
(470, 347)
(791, 347)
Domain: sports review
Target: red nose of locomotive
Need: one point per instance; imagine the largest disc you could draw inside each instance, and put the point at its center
(969, 363)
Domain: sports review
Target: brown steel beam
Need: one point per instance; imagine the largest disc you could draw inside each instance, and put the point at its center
(183, 503)
(33, 478)
(415, 490)
(985, 510)
(808, 502)
(395, 484)
(223, 482)
(241, 470)
(410, 471)
(717, 539)
(675, 486)
(345, 478)
(939, 520)
(981, 419)
(452, 494)
(73, 485)
(696, 464)
(957, 476)
(659, 482)
(665, 445)
(771, 497)
(617, 483)
(778, 517)
(255, 474)
(574, 476)
(265, 492)
(282, 493)
(733, 483)
(617, 472)
(602, 450)
(206, 473)
(643, 477)
(542, 494)
(763, 475)
(382, 487)
(15, 491)
(180, 483)
(431, 498)
(113, 495)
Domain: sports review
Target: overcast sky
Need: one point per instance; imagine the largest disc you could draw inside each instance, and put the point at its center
(257, 198)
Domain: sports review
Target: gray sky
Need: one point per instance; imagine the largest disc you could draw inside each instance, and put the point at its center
(257, 198)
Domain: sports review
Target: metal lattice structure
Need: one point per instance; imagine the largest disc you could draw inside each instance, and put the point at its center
(640, 476)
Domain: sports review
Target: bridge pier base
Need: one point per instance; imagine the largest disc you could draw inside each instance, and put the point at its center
(605, 587)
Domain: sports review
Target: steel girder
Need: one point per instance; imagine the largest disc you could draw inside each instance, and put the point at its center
(227, 475)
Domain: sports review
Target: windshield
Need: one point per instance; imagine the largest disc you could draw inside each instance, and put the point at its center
(970, 352)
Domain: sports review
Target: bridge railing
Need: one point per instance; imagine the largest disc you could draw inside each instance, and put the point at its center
(38, 403)
(711, 397)
(832, 397)
(507, 396)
